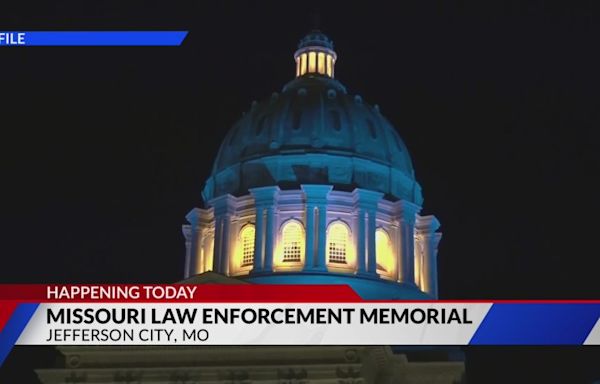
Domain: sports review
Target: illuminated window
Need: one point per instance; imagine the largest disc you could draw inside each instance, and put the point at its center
(297, 67)
(302, 64)
(384, 253)
(293, 241)
(337, 242)
(329, 66)
(209, 259)
(312, 62)
(247, 239)
(321, 63)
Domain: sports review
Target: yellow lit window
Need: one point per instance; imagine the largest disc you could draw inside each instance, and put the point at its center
(337, 242)
(329, 66)
(209, 259)
(293, 242)
(321, 63)
(302, 64)
(247, 239)
(298, 67)
(384, 253)
(312, 62)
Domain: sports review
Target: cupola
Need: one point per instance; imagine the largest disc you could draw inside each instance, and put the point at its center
(315, 55)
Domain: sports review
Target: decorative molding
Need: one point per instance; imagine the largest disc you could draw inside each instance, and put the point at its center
(427, 224)
(407, 211)
(264, 196)
(76, 377)
(223, 205)
(365, 198)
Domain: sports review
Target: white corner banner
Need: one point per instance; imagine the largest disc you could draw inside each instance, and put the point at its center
(388, 323)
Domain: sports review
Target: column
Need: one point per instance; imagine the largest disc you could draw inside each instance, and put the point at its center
(321, 264)
(199, 265)
(218, 241)
(269, 238)
(224, 208)
(426, 227)
(309, 262)
(316, 197)
(371, 246)
(265, 201)
(396, 248)
(365, 204)
(225, 245)
(258, 240)
(432, 265)
(418, 260)
(194, 239)
(207, 252)
(187, 234)
(361, 242)
(407, 213)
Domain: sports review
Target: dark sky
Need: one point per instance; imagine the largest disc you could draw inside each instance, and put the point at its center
(104, 150)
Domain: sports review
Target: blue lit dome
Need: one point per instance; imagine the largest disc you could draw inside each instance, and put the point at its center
(314, 186)
(314, 132)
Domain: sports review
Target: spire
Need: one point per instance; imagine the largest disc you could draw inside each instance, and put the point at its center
(315, 55)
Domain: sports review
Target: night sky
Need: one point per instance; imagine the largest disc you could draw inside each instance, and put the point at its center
(104, 150)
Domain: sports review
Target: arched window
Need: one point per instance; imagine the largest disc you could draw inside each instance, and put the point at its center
(293, 241)
(337, 242)
(383, 251)
(247, 241)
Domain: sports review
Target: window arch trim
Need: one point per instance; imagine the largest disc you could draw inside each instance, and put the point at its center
(292, 249)
(338, 249)
(247, 243)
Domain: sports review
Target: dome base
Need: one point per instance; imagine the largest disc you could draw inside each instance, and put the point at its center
(368, 288)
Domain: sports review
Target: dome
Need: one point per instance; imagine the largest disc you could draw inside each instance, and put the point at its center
(314, 132)
(315, 38)
(314, 186)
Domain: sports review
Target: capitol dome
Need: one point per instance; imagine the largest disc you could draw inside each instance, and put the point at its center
(314, 186)
(314, 132)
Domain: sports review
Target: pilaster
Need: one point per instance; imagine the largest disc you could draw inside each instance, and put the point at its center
(426, 227)
(265, 201)
(407, 215)
(224, 209)
(365, 203)
(316, 200)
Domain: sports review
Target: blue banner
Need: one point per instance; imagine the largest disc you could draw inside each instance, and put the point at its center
(92, 38)
(537, 324)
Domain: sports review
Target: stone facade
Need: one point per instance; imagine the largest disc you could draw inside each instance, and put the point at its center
(247, 365)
